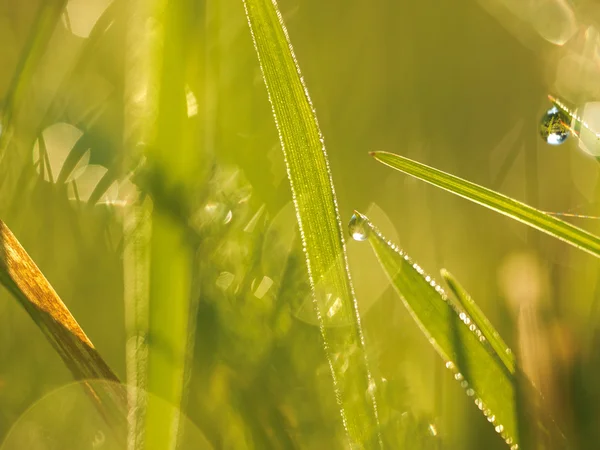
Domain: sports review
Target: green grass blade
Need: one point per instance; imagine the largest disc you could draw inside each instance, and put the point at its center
(319, 221)
(493, 200)
(480, 320)
(159, 254)
(452, 333)
(46, 20)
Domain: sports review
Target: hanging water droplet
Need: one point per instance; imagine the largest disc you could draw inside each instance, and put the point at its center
(358, 228)
(554, 127)
(499, 429)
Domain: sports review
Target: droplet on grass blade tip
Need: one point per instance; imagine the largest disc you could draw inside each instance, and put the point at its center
(554, 127)
(358, 228)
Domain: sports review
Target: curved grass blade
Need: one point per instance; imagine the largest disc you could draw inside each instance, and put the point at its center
(470, 307)
(454, 335)
(319, 222)
(495, 201)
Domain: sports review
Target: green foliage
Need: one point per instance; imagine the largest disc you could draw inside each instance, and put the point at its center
(319, 222)
(219, 308)
(454, 335)
(495, 201)
(468, 305)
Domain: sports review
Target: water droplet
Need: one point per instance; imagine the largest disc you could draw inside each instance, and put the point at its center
(228, 217)
(358, 228)
(450, 365)
(371, 388)
(458, 376)
(470, 392)
(432, 429)
(98, 440)
(499, 429)
(554, 127)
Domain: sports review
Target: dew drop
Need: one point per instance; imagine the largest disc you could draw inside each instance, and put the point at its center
(458, 376)
(358, 228)
(98, 440)
(450, 365)
(371, 388)
(499, 429)
(470, 392)
(432, 429)
(554, 127)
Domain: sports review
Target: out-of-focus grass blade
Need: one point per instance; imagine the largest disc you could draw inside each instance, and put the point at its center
(319, 222)
(500, 203)
(470, 307)
(454, 335)
(159, 256)
(47, 17)
(24, 280)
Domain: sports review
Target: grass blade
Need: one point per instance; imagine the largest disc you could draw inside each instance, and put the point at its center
(453, 334)
(470, 307)
(159, 254)
(495, 201)
(20, 276)
(24, 280)
(319, 221)
(46, 19)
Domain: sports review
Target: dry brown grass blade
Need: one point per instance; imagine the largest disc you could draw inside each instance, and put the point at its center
(20, 275)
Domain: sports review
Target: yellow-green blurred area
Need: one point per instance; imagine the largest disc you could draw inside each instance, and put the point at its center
(460, 86)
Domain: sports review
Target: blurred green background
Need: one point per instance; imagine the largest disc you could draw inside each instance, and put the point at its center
(460, 86)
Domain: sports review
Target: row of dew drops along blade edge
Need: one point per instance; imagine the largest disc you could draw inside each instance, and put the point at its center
(359, 229)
